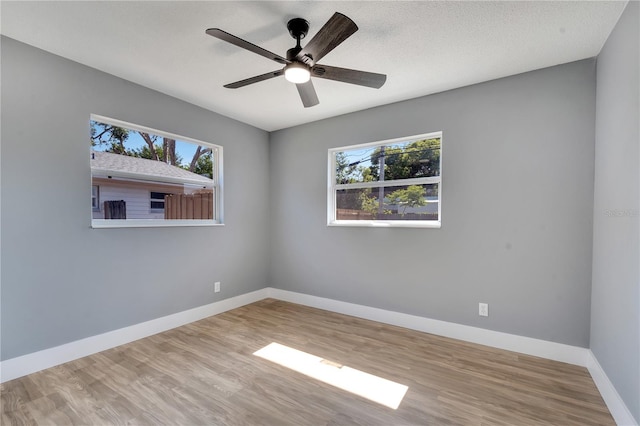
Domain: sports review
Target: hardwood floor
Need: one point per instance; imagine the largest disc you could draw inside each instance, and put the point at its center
(205, 373)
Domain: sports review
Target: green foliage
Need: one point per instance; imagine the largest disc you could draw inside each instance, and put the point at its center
(119, 149)
(350, 173)
(112, 136)
(145, 152)
(103, 134)
(368, 203)
(343, 170)
(417, 159)
(204, 166)
(412, 196)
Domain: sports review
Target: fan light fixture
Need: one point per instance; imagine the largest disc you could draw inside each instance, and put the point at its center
(297, 73)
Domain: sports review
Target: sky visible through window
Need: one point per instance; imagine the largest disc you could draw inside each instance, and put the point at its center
(184, 150)
(355, 164)
(360, 157)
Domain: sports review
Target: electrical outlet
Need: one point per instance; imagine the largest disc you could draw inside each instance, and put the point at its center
(483, 309)
(216, 287)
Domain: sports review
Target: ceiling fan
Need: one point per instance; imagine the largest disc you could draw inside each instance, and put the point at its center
(302, 62)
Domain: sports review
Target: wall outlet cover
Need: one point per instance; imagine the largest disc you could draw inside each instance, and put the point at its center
(483, 309)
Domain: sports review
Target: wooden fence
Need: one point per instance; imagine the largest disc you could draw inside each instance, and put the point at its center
(349, 214)
(189, 206)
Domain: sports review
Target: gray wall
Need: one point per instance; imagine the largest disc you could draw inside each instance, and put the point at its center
(615, 303)
(61, 280)
(517, 202)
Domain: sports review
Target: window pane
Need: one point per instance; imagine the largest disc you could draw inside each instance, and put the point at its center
(354, 165)
(137, 169)
(405, 202)
(404, 160)
(94, 197)
(158, 195)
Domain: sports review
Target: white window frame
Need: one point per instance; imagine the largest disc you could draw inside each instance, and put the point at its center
(217, 158)
(156, 200)
(333, 187)
(95, 195)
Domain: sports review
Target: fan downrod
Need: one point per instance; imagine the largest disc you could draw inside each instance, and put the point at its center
(298, 28)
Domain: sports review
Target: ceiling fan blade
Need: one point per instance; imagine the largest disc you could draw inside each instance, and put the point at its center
(255, 79)
(307, 94)
(337, 29)
(361, 78)
(230, 38)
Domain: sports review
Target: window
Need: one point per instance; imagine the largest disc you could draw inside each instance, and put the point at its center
(95, 197)
(388, 183)
(157, 200)
(147, 177)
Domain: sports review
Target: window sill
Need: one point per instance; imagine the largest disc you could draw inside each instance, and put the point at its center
(387, 223)
(149, 223)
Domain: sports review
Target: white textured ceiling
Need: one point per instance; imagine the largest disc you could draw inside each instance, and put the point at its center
(423, 46)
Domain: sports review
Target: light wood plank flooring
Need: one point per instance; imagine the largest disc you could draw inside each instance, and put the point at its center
(205, 373)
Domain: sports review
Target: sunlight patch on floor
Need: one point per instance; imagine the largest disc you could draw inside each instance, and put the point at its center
(366, 385)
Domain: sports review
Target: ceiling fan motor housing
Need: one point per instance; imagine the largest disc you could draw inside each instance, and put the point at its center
(298, 28)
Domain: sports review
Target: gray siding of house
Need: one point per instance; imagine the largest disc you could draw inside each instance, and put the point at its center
(615, 305)
(62, 280)
(517, 201)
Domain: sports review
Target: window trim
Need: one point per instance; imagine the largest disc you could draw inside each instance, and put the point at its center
(157, 200)
(217, 182)
(95, 208)
(151, 223)
(333, 187)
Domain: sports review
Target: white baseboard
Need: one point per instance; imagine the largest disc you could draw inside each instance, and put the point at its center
(36, 361)
(615, 404)
(511, 342)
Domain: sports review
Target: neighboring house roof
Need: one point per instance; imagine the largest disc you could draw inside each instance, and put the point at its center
(106, 163)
